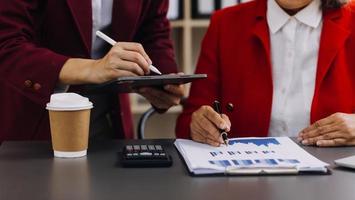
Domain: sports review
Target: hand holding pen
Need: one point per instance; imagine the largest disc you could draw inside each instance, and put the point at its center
(224, 134)
(206, 124)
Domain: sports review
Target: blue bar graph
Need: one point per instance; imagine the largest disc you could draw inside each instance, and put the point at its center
(289, 161)
(220, 163)
(262, 162)
(216, 153)
(259, 142)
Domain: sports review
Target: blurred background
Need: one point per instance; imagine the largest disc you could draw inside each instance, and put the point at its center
(189, 22)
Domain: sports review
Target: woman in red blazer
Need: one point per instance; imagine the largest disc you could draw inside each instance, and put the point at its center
(46, 44)
(236, 56)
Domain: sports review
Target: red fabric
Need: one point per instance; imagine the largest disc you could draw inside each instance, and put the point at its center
(236, 56)
(36, 39)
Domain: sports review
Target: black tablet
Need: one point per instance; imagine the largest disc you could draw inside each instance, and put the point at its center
(130, 84)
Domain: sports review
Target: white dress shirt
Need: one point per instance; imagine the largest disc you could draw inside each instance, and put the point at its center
(294, 54)
(101, 19)
(100, 125)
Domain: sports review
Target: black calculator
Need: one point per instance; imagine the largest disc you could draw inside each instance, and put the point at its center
(145, 155)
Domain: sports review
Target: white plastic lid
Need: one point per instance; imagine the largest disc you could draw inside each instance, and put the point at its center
(68, 102)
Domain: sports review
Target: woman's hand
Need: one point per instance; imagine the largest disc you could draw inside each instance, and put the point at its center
(205, 125)
(335, 130)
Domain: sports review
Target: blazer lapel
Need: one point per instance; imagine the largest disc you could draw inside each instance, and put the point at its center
(262, 34)
(261, 29)
(262, 37)
(332, 40)
(125, 17)
(82, 14)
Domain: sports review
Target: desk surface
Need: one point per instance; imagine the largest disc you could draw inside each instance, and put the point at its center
(29, 171)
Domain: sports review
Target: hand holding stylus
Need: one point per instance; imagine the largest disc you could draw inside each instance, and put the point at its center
(123, 59)
(113, 43)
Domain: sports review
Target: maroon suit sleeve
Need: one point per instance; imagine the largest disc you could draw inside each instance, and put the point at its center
(203, 92)
(154, 34)
(23, 62)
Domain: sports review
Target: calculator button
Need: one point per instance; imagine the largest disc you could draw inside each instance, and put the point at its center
(146, 154)
(136, 147)
(158, 147)
(129, 148)
(151, 147)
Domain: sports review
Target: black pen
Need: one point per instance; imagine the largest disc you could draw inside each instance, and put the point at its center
(217, 108)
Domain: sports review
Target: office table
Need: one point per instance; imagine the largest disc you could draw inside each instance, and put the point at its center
(29, 171)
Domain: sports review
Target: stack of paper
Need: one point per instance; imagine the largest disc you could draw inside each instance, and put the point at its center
(249, 156)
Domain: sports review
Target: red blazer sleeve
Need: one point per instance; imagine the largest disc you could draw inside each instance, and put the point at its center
(155, 36)
(203, 92)
(22, 60)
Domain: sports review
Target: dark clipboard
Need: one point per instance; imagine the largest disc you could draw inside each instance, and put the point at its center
(131, 84)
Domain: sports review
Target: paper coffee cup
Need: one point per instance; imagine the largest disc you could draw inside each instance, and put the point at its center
(69, 115)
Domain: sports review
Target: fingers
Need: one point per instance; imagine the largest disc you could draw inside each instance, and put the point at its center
(335, 130)
(159, 98)
(198, 135)
(332, 143)
(130, 66)
(205, 125)
(319, 127)
(320, 130)
(205, 140)
(130, 46)
(177, 90)
(163, 99)
(215, 117)
(118, 53)
(209, 129)
(226, 119)
(328, 136)
(319, 123)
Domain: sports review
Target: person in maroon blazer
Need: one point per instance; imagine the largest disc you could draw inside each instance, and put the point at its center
(48, 46)
(287, 66)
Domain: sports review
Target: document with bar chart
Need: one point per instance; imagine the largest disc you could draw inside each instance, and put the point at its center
(272, 155)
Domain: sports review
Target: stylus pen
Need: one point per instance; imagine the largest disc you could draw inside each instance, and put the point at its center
(113, 42)
(217, 108)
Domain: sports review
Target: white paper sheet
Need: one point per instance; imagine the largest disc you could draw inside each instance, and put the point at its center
(247, 153)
